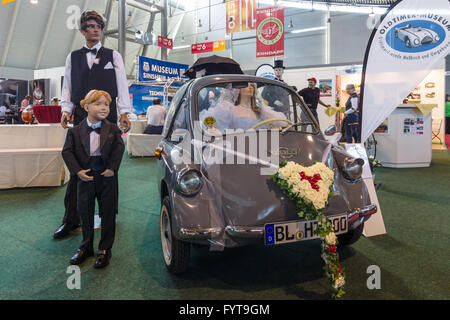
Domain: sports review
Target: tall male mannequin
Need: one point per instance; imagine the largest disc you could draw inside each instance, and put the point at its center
(91, 67)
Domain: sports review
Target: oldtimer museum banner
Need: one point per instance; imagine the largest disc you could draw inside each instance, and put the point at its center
(269, 32)
(410, 40)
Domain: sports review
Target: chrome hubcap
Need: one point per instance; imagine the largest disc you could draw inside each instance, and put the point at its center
(166, 235)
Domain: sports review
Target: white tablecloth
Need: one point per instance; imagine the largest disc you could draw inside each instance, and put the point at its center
(139, 144)
(30, 156)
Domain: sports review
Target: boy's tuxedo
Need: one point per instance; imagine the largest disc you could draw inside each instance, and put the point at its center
(77, 156)
(76, 151)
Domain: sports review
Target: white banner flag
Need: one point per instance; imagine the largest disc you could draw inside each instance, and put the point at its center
(411, 39)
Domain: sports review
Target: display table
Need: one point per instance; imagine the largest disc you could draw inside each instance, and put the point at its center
(30, 156)
(47, 114)
(140, 144)
(407, 140)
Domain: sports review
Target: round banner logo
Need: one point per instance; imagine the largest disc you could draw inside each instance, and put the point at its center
(415, 36)
(270, 31)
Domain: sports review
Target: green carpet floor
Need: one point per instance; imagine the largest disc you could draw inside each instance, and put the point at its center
(413, 255)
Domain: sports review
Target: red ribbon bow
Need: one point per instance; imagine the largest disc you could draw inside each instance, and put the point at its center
(312, 180)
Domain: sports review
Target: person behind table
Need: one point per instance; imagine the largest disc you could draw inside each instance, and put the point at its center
(25, 103)
(91, 67)
(93, 151)
(156, 114)
(311, 97)
(351, 114)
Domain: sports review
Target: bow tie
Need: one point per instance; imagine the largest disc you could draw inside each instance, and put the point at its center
(86, 50)
(90, 129)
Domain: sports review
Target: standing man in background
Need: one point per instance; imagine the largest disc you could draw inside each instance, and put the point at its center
(351, 119)
(92, 67)
(311, 97)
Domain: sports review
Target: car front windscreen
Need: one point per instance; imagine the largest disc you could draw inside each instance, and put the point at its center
(251, 105)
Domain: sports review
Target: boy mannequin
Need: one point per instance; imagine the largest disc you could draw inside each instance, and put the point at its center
(93, 151)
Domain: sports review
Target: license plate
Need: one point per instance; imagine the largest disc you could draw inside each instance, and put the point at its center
(279, 233)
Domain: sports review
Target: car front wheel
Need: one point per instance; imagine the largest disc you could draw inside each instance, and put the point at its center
(175, 252)
(350, 237)
(408, 43)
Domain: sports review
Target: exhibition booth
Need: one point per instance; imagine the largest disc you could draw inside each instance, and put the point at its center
(405, 138)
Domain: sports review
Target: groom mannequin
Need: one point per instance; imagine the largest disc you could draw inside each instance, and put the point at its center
(91, 67)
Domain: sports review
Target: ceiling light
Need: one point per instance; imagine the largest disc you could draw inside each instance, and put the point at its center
(34, 1)
(308, 29)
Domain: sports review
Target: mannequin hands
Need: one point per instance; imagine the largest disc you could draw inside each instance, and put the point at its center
(83, 176)
(125, 123)
(65, 117)
(108, 173)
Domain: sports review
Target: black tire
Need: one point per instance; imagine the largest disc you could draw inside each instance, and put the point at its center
(175, 252)
(350, 237)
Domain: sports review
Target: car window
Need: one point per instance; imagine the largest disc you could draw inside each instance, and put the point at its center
(244, 105)
(173, 107)
(180, 123)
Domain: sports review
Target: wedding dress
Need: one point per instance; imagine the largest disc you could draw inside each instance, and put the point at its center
(226, 115)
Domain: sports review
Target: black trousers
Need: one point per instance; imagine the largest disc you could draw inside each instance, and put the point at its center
(71, 215)
(153, 129)
(102, 189)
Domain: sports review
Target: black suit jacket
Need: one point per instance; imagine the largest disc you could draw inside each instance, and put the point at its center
(76, 150)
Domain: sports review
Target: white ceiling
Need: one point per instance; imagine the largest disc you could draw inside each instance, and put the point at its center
(30, 48)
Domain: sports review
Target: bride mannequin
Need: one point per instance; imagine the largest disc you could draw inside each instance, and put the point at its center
(242, 112)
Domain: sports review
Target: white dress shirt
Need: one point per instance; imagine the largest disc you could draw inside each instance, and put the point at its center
(354, 108)
(123, 101)
(94, 139)
(156, 115)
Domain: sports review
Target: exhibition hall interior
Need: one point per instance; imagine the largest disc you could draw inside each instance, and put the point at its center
(247, 150)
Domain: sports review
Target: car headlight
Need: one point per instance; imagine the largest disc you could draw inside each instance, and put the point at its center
(416, 41)
(189, 181)
(352, 169)
(436, 38)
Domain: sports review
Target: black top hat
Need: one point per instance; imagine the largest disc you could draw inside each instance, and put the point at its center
(279, 64)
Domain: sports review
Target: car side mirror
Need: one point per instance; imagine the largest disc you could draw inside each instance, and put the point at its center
(178, 135)
(331, 130)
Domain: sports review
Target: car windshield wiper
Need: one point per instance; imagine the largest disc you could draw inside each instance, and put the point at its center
(283, 132)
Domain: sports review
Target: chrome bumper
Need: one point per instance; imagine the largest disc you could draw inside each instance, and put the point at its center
(198, 233)
(362, 212)
(255, 232)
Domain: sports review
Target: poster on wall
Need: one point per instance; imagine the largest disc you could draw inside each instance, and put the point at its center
(240, 15)
(413, 126)
(142, 97)
(325, 87)
(38, 92)
(401, 52)
(270, 32)
(153, 69)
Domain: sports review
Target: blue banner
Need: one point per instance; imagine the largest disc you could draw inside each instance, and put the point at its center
(142, 97)
(152, 69)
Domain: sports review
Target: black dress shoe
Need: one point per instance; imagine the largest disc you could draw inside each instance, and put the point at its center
(103, 258)
(63, 230)
(80, 256)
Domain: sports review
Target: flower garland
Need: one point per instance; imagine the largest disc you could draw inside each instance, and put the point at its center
(309, 188)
